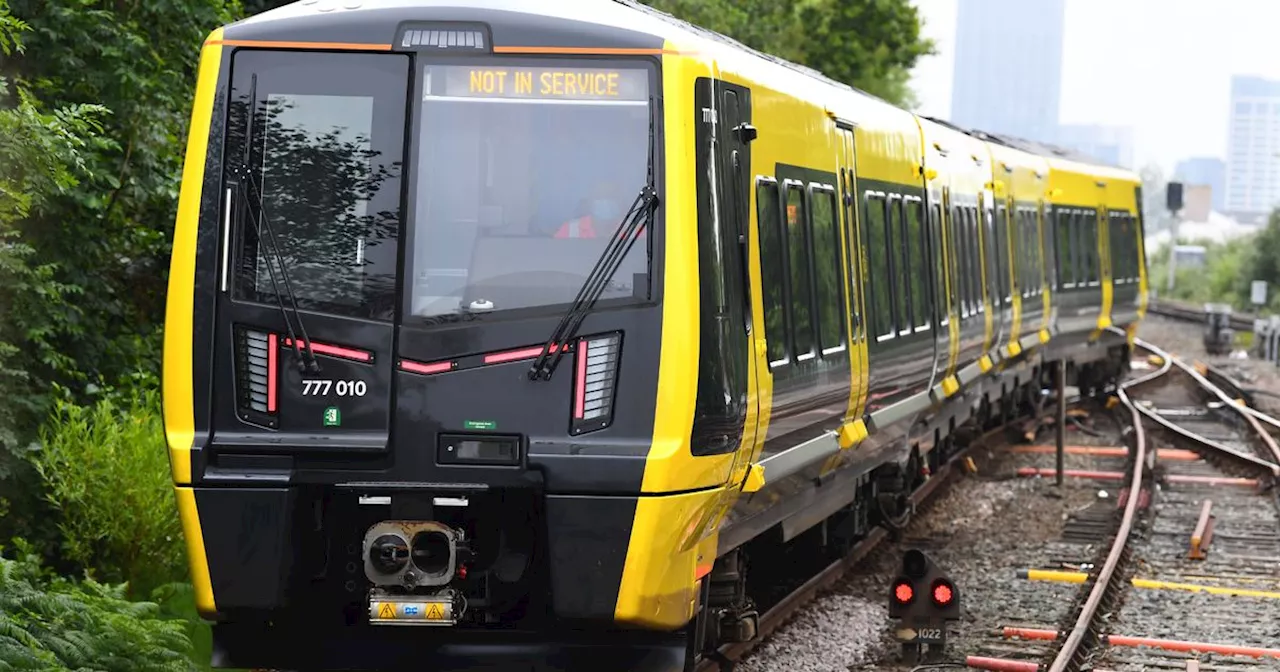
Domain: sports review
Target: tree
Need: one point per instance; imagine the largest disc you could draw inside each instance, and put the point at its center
(869, 44)
(102, 239)
(1264, 263)
(42, 156)
(93, 117)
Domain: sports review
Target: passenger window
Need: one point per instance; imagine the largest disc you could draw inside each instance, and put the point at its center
(1066, 262)
(1095, 265)
(941, 308)
(958, 243)
(1049, 248)
(1031, 242)
(798, 258)
(919, 272)
(1002, 254)
(975, 260)
(771, 270)
(826, 256)
(900, 244)
(878, 258)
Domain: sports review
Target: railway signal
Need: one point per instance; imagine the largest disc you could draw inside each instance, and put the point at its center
(923, 599)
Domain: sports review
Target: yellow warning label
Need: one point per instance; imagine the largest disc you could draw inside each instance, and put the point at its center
(435, 613)
(387, 611)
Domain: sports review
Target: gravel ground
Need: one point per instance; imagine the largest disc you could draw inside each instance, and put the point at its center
(981, 531)
(1245, 554)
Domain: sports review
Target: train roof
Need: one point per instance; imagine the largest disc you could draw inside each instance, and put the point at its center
(617, 24)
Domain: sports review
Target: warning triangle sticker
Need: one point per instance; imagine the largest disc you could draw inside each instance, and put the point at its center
(435, 613)
(387, 611)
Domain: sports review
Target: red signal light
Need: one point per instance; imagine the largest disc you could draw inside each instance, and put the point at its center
(903, 593)
(942, 593)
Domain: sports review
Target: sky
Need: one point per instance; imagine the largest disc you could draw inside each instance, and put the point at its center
(1164, 68)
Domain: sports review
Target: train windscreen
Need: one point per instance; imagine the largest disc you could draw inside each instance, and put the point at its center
(524, 171)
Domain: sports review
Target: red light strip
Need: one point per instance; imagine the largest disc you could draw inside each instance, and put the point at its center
(425, 369)
(580, 387)
(517, 355)
(271, 373)
(335, 351)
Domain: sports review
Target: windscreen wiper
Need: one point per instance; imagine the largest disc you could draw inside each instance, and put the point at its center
(639, 215)
(242, 176)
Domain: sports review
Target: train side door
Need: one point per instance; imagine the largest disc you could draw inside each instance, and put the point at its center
(854, 263)
(938, 201)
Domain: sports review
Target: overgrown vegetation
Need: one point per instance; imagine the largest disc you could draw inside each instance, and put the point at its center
(94, 103)
(51, 624)
(106, 473)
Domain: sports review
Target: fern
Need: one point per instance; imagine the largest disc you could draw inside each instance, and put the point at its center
(51, 624)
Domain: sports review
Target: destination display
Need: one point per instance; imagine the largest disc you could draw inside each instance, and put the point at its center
(531, 83)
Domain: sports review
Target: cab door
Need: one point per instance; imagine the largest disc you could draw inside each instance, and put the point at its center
(305, 268)
(727, 406)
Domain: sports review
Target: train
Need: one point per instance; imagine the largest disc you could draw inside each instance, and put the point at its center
(506, 331)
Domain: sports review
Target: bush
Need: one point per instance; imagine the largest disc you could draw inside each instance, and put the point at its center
(53, 625)
(106, 471)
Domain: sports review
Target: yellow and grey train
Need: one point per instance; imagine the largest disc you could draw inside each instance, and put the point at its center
(541, 325)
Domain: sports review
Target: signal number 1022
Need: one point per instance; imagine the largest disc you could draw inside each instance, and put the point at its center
(342, 388)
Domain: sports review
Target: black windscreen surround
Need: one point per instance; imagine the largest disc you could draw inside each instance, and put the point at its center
(524, 170)
(325, 152)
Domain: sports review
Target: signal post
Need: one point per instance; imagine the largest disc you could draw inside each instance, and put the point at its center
(922, 598)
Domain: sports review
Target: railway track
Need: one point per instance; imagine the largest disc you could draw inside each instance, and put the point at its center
(1191, 313)
(1189, 569)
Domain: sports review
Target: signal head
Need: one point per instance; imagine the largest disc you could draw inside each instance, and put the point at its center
(943, 592)
(922, 592)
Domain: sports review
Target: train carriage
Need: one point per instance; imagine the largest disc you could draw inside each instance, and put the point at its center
(546, 328)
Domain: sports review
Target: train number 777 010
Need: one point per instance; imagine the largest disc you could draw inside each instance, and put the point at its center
(342, 388)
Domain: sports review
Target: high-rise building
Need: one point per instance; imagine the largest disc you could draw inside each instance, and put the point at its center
(1008, 67)
(1112, 145)
(1206, 170)
(1253, 158)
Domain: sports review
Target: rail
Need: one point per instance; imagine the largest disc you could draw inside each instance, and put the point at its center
(1086, 628)
(1192, 313)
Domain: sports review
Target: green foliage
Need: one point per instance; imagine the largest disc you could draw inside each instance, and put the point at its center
(870, 44)
(93, 250)
(51, 625)
(1264, 263)
(1229, 270)
(42, 156)
(106, 472)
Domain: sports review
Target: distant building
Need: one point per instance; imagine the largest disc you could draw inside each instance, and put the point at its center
(1008, 67)
(1253, 159)
(1197, 202)
(1109, 144)
(1205, 170)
